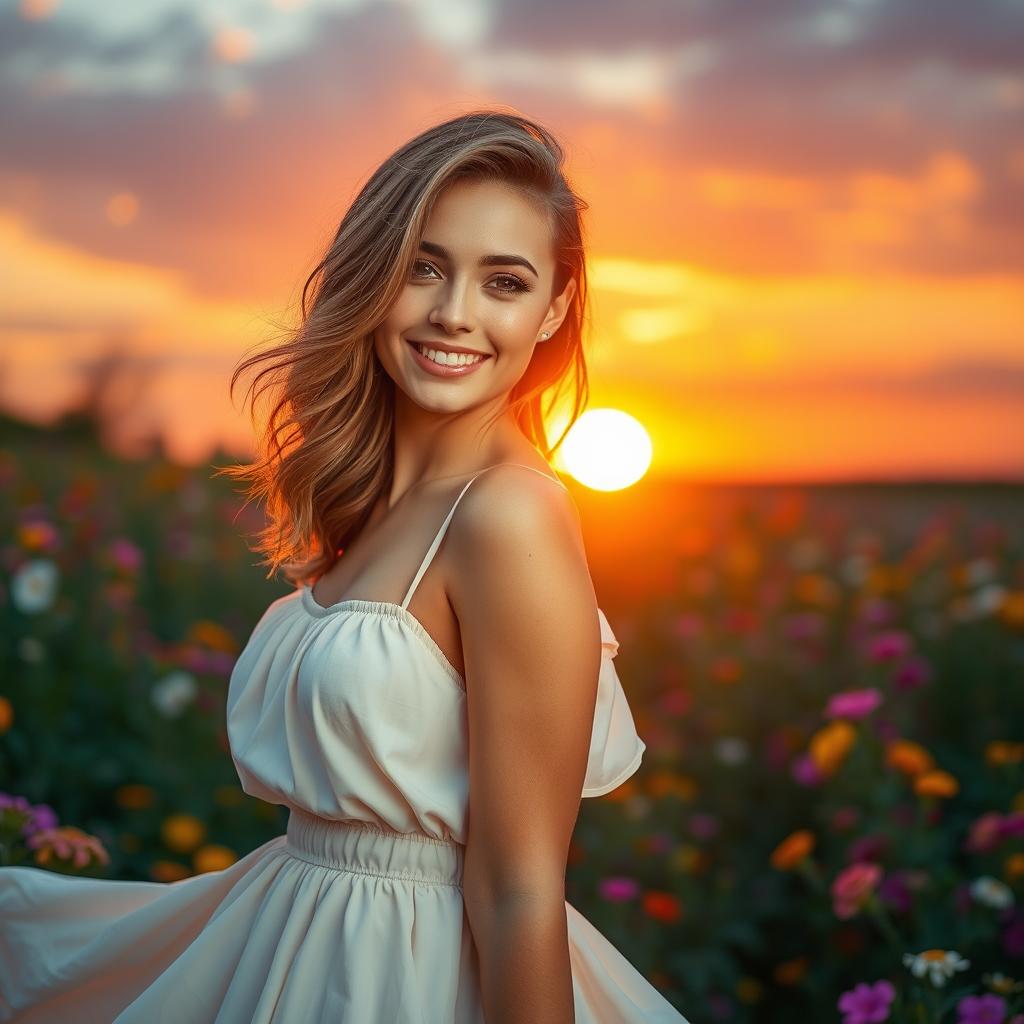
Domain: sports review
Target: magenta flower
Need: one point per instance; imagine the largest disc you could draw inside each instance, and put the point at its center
(889, 645)
(865, 848)
(125, 555)
(985, 833)
(867, 1004)
(853, 703)
(913, 673)
(617, 889)
(986, 1009)
(805, 771)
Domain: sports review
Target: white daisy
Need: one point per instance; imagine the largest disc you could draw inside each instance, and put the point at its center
(34, 586)
(174, 693)
(938, 965)
(992, 892)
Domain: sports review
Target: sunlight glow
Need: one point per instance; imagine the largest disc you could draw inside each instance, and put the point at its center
(607, 450)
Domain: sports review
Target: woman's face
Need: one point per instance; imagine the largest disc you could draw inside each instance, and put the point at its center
(481, 282)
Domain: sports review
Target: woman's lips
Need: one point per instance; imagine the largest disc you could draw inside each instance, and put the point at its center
(437, 370)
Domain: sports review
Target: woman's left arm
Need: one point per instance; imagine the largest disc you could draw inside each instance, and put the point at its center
(531, 642)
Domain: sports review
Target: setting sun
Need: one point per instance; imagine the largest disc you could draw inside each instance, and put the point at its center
(607, 449)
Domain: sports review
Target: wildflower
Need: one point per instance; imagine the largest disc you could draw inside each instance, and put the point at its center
(908, 757)
(999, 982)
(853, 704)
(986, 1009)
(1014, 866)
(830, 745)
(936, 783)
(985, 834)
(867, 1004)
(618, 889)
(124, 555)
(174, 693)
(34, 586)
(938, 965)
(889, 645)
(853, 887)
(913, 673)
(6, 714)
(34, 817)
(703, 825)
(67, 843)
(793, 849)
(213, 857)
(662, 906)
(38, 535)
(991, 892)
(182, 832)
(806, 771)
(1002, 752)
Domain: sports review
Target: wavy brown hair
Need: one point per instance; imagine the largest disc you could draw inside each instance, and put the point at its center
(326, 452)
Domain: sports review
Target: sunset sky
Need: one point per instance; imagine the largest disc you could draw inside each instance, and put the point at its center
(806, 220)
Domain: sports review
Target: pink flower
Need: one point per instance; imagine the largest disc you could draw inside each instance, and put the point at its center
(853, 886)
(806, 772)
(867, 1004)
(853, 703)
(618, 889)
(985, 834)
(889, 645)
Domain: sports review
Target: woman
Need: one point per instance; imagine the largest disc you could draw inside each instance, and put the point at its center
(432, 748)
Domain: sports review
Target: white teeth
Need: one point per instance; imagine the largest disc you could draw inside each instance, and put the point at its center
(448, 358)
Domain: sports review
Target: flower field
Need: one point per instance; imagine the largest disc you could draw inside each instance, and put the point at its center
(828, 824)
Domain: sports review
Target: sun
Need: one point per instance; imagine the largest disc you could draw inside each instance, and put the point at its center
(606, 450)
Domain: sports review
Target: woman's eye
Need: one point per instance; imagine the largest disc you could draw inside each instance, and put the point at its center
(517, 285)
(511, 284)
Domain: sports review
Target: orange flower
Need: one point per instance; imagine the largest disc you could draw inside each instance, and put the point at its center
(182, 832)
(791, 972)
(1014, 867)
(908, 757)
(727, 670)
(830, 745)
(662, 906)
(622, 792)
(212, 635)
(816, 590)
(134, 796)
(793, 849)
(667, 783)
(1011, 610)
(6, 714)
(1002, 752)
(936, 783)
(213, 857)
(167, 871)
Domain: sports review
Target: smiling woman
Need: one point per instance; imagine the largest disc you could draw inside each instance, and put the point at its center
(434, 713)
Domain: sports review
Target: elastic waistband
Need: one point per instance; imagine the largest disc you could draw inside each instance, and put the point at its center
(373, 850)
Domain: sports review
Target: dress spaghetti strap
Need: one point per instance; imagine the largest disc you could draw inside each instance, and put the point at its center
(439, 536)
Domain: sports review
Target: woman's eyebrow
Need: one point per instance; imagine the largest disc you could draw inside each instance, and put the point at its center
(494, 260)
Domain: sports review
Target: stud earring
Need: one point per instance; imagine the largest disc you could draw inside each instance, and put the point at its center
(544, 335)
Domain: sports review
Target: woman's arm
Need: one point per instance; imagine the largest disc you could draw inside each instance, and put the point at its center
(531, 642)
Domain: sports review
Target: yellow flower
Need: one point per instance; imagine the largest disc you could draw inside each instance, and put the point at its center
(749, 990)
(793, 849)
(908, 757)
(830, 745)
(1002, 752)
(213, 857)
(6, 714)
(936, 783)
(182, 832)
